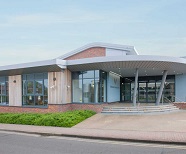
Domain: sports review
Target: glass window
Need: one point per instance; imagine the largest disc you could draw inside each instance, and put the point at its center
(39, 86)
(30, 87)
(88, 90)
(91, 88)
(77, 90)
(4, 91)
(88, 74)
(35, 89)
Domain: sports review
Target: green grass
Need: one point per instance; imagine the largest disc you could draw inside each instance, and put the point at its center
(62, 119)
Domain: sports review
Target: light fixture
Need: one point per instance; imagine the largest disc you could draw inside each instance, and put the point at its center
(30, 98)
(39, 98)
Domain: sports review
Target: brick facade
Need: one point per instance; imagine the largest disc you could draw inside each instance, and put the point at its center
(53, 108)
(180, 105)
(89, 53)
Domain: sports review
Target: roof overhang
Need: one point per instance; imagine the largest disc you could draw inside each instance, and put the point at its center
(126, 65)
(53, 65)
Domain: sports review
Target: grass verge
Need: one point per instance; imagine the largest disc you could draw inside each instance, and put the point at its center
(62, 119)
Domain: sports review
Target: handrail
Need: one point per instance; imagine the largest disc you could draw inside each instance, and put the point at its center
(170, 102)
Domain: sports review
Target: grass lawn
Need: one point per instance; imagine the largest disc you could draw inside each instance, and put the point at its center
(62, 119)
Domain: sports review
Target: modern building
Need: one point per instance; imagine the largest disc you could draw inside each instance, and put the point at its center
(90, 77)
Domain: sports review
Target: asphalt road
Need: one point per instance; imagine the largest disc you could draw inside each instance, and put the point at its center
(16, 143)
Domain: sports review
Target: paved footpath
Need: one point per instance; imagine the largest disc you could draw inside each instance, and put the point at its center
(144, 136)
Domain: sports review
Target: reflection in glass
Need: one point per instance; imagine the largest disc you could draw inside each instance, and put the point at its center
(39, 87)
(39, 100)
(91, 88)
(35, 89)
(148, 88)
(88, 74)
(151, 90)
(142, 92)
(30, 87)
(4, 91)
(46, 87)
(88, 90)
(77, 90)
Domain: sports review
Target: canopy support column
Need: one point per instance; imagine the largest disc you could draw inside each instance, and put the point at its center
(135, 88)
(161, 87)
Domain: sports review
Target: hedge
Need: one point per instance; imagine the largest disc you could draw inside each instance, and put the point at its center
(60, 119)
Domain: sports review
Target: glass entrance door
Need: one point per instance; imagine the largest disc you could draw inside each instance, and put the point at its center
(151, 92)
(147, 92)
(142, 97)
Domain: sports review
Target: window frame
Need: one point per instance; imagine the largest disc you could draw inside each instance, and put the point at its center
(34, 95)
(4, 79)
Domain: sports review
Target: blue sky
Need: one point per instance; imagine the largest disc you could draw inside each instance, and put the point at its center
(32, 30)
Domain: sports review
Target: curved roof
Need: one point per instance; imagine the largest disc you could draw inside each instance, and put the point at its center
(130, 49)
(126, 65)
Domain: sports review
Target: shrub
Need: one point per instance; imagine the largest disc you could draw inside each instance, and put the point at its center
(62, 119)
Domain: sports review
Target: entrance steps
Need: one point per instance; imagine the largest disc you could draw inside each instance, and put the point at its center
(139, 109)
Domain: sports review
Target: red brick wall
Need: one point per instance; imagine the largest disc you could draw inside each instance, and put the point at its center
(89, 53)
(53, 108)
(180, 105)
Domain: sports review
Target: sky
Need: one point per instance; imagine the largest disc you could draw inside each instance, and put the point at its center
(34, 30)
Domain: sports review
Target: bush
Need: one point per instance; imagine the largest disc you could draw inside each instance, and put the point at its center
(64, 119)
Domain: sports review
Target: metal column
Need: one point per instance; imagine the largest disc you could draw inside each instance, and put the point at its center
(161, 87)
(135, 87)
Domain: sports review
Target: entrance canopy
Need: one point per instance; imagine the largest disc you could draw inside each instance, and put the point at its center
(126, 66)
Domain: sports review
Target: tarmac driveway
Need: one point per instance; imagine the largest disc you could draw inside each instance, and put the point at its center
(175, 121)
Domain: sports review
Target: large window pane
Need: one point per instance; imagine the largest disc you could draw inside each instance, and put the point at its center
(88, 74)
(88, 90)
(77, 90)
(39, 87)
(39, 100)
(97, 90)
(91, 88)
(46, 87)
(30, 87)
(4, 91)
(151, 91)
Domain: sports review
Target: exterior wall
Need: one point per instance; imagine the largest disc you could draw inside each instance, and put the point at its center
(15, 90)
(59, 91)
(89, 53)
(54, 88)
(180, 88)
(66, 87)
(53, 108)
(113, 88)
(180, 105)
(114, 52)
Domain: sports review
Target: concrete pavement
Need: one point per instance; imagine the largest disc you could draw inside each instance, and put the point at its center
(118, 127)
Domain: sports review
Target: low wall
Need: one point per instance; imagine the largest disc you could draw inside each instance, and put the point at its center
(53, 108)
(180, 105)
